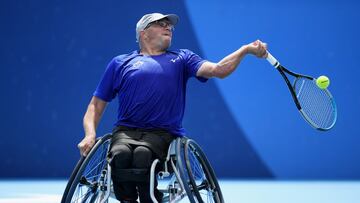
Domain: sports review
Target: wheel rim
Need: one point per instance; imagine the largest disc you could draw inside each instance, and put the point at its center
(88, 178)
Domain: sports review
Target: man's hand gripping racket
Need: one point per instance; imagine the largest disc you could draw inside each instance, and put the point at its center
(316, 105)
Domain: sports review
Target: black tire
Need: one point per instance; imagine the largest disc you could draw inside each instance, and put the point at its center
(200, 178)
(87, 173)
(71, 179)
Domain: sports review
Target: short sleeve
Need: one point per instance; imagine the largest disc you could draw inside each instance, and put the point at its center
(105, 89)
(192, 64)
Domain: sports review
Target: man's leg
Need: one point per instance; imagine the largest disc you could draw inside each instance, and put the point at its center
(122, 159)
(142, 158)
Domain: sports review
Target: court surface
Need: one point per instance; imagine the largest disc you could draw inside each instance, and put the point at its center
(50, 191)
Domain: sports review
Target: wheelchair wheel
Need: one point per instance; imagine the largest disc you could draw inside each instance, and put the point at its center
(198, 176)
(85, 181)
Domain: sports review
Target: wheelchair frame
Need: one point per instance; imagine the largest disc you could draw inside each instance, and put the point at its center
(190, 175)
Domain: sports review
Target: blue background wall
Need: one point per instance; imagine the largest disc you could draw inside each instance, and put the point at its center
(54, 52)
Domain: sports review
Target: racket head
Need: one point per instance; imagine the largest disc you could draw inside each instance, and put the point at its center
(317, 106)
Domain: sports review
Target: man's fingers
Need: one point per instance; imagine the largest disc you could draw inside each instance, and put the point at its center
(265, 45)
(263, 52)
(84, 148)
(259, 48)
(85, 152)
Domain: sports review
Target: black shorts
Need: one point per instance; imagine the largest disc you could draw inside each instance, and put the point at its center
(157, 140)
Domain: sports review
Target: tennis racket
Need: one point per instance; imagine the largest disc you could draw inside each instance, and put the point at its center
(317, 106)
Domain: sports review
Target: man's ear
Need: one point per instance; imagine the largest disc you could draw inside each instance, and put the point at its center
(143, 34)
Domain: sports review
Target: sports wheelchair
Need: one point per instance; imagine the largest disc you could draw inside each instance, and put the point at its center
(185, 175)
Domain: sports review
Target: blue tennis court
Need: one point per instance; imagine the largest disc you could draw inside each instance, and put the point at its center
(50, 191)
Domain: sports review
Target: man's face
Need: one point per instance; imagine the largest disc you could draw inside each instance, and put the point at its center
(159, 33)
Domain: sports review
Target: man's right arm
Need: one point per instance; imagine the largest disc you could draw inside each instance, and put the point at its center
(229, 63)
(91, 120)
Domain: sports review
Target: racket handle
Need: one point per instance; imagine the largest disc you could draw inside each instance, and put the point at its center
(272, 60)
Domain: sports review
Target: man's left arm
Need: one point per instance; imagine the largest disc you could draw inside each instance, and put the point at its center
(229, 63)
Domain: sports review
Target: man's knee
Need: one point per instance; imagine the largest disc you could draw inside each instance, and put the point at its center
(142, 157)
(131, 165)
(121, 156)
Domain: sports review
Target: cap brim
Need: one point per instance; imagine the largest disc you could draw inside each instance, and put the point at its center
(174, 19)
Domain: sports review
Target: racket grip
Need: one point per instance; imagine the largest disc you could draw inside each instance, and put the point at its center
(272, 60)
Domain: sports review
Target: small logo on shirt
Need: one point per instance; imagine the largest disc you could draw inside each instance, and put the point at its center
(175, 59)
(138, 64)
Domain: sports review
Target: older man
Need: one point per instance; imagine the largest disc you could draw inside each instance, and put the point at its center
(150, 84)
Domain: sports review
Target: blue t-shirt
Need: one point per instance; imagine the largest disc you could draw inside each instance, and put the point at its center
(150, 89)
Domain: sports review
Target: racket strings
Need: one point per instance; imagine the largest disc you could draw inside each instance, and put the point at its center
(316, 104)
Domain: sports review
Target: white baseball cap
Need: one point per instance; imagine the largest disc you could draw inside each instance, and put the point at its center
(151, 17)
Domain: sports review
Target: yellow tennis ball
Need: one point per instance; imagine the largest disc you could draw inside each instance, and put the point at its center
(322, 82)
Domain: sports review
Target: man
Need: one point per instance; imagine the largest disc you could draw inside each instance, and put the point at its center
(150, 84)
